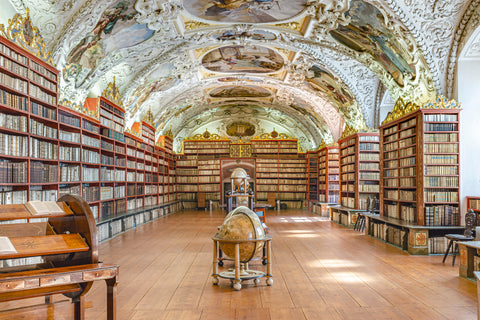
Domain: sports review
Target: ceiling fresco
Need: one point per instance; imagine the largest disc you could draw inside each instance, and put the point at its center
(244, 11)
(319, 65)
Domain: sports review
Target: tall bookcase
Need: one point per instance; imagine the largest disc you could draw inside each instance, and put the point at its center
(281, 172)
(312, 159)
(420, 168)
(419, 198)
(198, 170)
(29, 128)
(328, 174)
(359, 169)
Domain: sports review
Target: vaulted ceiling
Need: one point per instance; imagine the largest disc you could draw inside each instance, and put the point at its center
(304, 68)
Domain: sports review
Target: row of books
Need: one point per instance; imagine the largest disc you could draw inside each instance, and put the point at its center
(43, 172)
(441, 148)
(13, 122)
(390, 234)
(42, 81)
(13, 100)
(441, 181)
(441, 137)
(441, 127)
(69, 153)
(440, 117)
(66, 118)
(14, 83)
(13, 145)
(69, 136)
(38, 93)
(13, 172)
(441, 196)
(442, 216)
(69, 173)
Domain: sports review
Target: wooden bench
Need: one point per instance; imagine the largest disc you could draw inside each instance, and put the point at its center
(59, 255)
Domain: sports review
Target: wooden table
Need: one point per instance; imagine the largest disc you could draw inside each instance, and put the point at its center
(238, 275)
(469, 256)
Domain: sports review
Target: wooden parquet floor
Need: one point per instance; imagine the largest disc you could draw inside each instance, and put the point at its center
(321, 271)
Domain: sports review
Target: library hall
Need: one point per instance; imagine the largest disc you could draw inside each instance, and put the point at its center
(239, 159)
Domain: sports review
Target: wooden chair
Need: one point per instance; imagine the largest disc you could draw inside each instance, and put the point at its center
(470, 222)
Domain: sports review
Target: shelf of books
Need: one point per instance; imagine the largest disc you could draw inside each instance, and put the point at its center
(280, 171)
(198, 171)
(420, 179)
(359, 169)
(29, 129)
(474, 204)
(47, 150)
(328, 174)
(312, 158)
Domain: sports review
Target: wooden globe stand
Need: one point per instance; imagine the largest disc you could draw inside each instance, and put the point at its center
(241, 272)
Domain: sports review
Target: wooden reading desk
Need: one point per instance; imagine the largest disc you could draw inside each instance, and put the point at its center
(469, 255)
(59, 254)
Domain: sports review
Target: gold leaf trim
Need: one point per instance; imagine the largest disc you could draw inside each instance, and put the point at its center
(113, 94)
(348, 131)
(192, 25)
(294, 25)
(207, 136)
(24, 34)
(443, 103)
(148, 118)
(399, 110)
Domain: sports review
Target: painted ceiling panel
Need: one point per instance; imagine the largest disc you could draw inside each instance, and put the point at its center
(318, 63)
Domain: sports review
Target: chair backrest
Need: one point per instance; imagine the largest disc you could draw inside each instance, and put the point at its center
(369, 201)
(372, 204)
(470, 223)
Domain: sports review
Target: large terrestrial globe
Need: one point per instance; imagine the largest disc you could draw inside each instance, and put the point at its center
(238, 175)
(241, 224)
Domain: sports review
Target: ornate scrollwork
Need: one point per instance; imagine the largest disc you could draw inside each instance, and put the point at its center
(23, 33)
(148, 117)
(348, 131)
(399, 110)
(192, 25)
(274, 135)
(443, 103)
(207, 136)
(113, 94)
(135, 130)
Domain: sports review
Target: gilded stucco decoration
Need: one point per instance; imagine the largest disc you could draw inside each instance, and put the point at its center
(148, 117)
(22, 32)
(112, 93)
(424, 33)
(400, 109)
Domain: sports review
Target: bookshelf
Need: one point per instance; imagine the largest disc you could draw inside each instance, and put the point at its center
(420, 168)
(280, 171)
(47, 150)
(328, 174)
(29, 128)
(312, 159)
(419, 198)
(198, 170)
(359, 169)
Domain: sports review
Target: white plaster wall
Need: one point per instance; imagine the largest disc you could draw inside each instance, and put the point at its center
(468, 84)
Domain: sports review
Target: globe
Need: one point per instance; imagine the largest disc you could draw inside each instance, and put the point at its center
(241, 224)
(238, 176)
